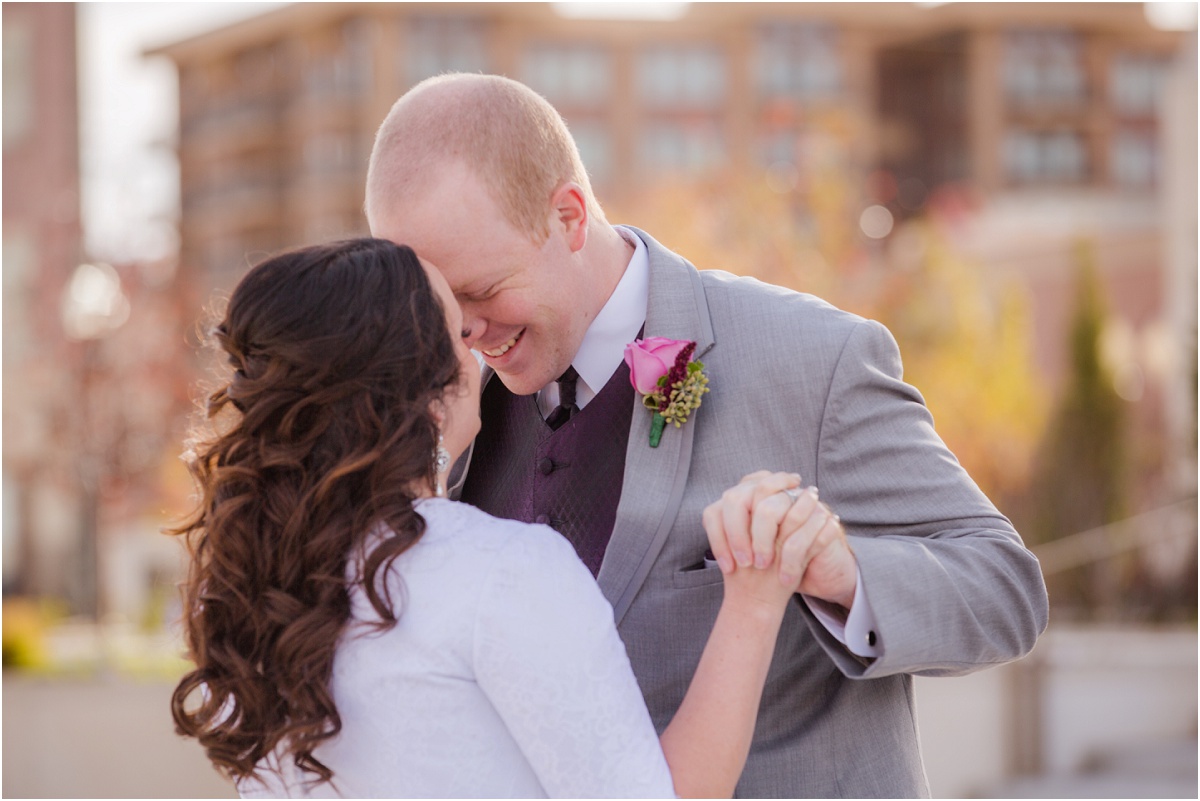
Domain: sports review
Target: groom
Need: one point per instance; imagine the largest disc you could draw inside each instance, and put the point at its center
(480, 176)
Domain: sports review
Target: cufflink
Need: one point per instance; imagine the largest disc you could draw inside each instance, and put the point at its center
(871, 638)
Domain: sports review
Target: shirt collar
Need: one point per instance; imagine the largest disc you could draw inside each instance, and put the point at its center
(618, 323)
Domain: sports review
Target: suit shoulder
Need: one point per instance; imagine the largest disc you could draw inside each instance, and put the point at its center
(750, 303)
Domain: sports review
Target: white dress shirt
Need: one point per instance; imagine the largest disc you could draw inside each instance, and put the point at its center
(599, 356)
(617, 324)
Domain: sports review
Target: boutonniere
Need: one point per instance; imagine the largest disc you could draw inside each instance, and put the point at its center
(670, 381)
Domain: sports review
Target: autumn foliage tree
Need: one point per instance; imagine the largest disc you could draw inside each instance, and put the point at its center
(965, 343)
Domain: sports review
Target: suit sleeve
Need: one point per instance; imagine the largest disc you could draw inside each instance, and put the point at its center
(951, 584)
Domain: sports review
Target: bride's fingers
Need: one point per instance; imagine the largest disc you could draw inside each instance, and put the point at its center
(714, 527)
(750, 478)
(728, 521)
(799, 529)
(768, 514)
(772, 483)
(738, 502)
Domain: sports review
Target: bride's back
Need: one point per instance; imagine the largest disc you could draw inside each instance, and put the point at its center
(503, 676)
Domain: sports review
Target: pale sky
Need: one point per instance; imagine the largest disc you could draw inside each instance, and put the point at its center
(129, 109)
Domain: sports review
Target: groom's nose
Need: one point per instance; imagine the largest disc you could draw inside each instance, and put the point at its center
(473, 329)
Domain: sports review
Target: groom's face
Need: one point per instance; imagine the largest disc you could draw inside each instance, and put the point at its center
(520, 299)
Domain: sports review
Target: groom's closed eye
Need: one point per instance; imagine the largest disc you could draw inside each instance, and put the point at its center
(478, 296)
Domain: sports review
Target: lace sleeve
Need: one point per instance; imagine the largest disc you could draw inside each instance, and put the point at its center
(548, 655)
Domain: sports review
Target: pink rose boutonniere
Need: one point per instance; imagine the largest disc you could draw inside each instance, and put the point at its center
(670, 381)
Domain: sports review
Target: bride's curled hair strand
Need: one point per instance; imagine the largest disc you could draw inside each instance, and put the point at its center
(339, 354)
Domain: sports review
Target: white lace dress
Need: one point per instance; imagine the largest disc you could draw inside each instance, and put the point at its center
(503, 677)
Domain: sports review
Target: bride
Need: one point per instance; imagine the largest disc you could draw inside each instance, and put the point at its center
(356, 633)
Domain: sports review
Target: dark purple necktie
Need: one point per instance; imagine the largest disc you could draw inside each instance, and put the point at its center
(566, 400)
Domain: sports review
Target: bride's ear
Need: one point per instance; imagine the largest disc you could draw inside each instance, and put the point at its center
(437, 410)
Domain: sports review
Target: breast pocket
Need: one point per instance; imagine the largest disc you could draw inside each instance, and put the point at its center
(700, 575)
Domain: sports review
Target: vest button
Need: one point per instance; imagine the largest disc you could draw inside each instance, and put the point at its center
(543, 519)
(546, 466)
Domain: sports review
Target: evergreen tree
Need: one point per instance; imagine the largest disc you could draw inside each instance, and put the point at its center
(1080, 483)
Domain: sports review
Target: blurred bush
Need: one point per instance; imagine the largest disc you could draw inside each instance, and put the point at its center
(25, 623)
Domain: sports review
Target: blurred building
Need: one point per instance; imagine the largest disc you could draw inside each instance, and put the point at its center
(42, 234)
(1036, 125)
(96, 373)
(277, 113)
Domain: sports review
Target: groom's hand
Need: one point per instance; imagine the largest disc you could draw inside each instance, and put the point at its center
(767, 517)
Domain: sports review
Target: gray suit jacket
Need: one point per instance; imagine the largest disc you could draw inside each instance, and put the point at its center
(798, 385)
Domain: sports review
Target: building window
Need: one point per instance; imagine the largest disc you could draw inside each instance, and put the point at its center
(682, 77)
(1136, 84)
(345, 69)
(1135, 159)
(1032, 157)
(18, 81)
(778, 147)
(256, 71)
(445, 44)
(798, 60)
(1044, 67)
(572, 76)
(331, 153)
(685, 147)
(594, 141)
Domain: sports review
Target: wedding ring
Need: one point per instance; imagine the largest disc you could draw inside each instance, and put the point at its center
(794, 494)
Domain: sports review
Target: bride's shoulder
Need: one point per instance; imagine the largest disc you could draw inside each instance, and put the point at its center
(462, 523)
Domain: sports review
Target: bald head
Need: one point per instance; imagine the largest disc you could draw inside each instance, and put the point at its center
(501, 130)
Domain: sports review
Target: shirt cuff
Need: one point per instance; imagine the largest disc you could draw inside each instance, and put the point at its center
(856, 630)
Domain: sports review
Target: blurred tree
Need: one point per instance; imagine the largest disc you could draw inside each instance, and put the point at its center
(965, 347)
(133, 401)
(743, 226)
(1080, 482)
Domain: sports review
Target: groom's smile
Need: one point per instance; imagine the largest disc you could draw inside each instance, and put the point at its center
(498, 352)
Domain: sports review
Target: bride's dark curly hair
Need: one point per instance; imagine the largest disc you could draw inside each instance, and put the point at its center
(339, 352)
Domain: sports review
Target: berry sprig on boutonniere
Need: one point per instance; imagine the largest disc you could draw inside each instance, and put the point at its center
(670, 381)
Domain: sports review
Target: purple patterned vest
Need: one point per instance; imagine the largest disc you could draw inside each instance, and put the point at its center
(569, 479)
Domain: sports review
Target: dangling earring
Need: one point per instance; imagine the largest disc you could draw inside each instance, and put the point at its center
(441, 463)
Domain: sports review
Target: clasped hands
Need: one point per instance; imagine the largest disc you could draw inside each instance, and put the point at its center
(772, 538)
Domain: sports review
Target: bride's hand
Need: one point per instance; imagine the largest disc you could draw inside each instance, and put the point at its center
(751, 529)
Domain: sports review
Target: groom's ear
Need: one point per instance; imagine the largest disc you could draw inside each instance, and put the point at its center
(571, 214)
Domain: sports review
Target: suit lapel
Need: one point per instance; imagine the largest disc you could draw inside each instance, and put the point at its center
(652, 489)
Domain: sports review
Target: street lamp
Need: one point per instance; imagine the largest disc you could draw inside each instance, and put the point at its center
(93, 306)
